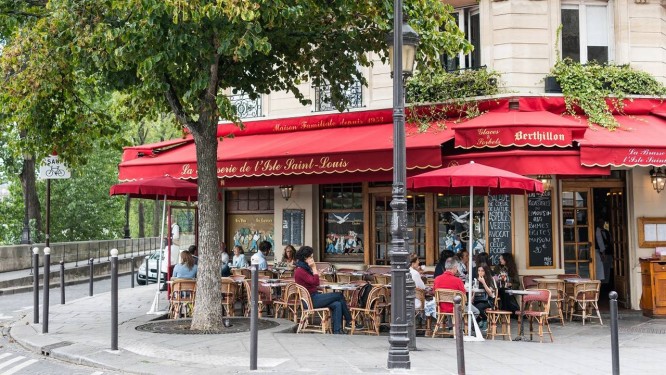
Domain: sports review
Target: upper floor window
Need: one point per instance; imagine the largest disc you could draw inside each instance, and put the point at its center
(587, 30)
(324, 102)
(245, 106)
(468, 22)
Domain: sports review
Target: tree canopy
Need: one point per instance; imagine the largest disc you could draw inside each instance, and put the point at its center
(184, 56)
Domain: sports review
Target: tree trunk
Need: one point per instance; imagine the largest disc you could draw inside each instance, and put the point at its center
(207, 314)
(142, 221)
(29, 187)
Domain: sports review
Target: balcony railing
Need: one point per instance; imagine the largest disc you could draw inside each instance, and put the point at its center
(246, 107)
(323, 100)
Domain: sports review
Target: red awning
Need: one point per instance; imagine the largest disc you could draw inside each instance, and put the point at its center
(515, 128)
(333, 154)
(530, 162)
(640, 141)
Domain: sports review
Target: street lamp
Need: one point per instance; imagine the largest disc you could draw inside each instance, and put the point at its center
(405, 52)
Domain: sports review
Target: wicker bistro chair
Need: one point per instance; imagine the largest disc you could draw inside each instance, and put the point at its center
(229, 290)
(568, 288)
(242, 271)
(583, 299)
(528, 281)
(183, 292)
(501, 318)
(371, 314)
(381, 279)
(447, 295)
(557, 296)
(419, 314)
(312, 320)
(345, 278)
(262, 303)
(289, 304)
(537, 307)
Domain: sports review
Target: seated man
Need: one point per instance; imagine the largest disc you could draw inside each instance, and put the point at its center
(260, 257)
(449, 280)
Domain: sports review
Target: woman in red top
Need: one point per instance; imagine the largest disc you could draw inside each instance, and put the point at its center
(306, 275)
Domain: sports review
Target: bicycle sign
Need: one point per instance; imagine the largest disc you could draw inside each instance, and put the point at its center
(51, 168)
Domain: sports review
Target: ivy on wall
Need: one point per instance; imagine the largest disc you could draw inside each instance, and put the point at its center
(451, 91)
(592, 86)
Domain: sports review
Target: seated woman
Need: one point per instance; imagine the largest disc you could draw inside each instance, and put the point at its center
(486, 299)
(186, 269)
(307, 275)
(239, 260)
(225, 270)
(507, 274)
(288, 259)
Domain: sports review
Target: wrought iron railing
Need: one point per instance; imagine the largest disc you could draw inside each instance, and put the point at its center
(324, 102)
(246, 107)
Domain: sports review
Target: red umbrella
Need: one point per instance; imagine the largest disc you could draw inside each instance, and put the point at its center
(164, 187)
(467, 177)
(460, 178)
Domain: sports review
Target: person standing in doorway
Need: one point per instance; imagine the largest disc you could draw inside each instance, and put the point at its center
(604, 253)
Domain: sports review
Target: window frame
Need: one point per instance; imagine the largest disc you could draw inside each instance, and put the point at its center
(464, 16)
(581, 6)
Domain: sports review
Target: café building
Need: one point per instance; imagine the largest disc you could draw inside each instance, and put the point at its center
(325, 180)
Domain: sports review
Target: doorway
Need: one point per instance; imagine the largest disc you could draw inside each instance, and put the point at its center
(594, 211)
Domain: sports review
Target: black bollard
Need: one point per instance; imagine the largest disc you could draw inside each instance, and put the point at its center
(147, 270)
(254, 318)
(132, 271)
(114, 299)
(410, 294)
(460, 350)
(62, 282)
(35, 284)
(91, 264)
(615, 348)
(45, 299)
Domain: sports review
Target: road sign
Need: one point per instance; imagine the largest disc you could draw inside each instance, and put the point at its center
(52, 168)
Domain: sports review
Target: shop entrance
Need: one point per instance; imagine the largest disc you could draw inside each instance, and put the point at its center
(594, 219)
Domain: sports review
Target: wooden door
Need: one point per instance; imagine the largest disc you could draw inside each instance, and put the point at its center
(619, 244)
(578, 231)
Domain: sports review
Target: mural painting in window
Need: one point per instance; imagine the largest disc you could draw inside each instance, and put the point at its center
(453, 223)
(344, 232)
(250, 229)
(342, 222)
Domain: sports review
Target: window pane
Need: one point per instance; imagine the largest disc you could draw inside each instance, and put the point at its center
(598, 54)
(475, 40)
(597, 25)
(570, 34)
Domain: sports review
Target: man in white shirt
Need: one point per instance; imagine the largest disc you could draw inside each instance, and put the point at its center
(260, 257)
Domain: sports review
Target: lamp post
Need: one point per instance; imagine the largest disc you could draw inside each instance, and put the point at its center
(404, 53)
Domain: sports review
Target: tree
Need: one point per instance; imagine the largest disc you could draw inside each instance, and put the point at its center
(185, 55)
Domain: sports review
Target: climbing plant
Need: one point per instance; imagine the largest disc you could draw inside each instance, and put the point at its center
(592, 87)
(436, 95)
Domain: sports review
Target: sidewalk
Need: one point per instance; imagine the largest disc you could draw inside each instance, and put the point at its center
(80, 333)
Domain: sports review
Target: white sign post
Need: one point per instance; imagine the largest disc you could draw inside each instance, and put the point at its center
(52, 168)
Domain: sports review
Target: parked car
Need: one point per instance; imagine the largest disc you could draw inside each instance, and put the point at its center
(152, 266)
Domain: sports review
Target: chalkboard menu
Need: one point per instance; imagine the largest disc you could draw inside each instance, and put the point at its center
(540, 230)
(500, 230)
(293, 227)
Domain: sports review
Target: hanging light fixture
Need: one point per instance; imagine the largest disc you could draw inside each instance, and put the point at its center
(286, 190)
(658, 178)
(546, 180)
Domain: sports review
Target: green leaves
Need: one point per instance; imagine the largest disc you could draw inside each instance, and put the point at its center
(589, 86)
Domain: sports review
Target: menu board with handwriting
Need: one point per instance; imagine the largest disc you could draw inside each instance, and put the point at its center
(500, 229)
(540, 230)
(293, 227)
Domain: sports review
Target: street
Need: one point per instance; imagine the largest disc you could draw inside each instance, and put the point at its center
(14, 359)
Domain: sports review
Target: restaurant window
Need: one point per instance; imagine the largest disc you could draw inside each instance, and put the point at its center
(468, 21)
(453, 222)
(587, 32)
(342, 222)
(415, 235)
(324, 101)
(249, 218)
